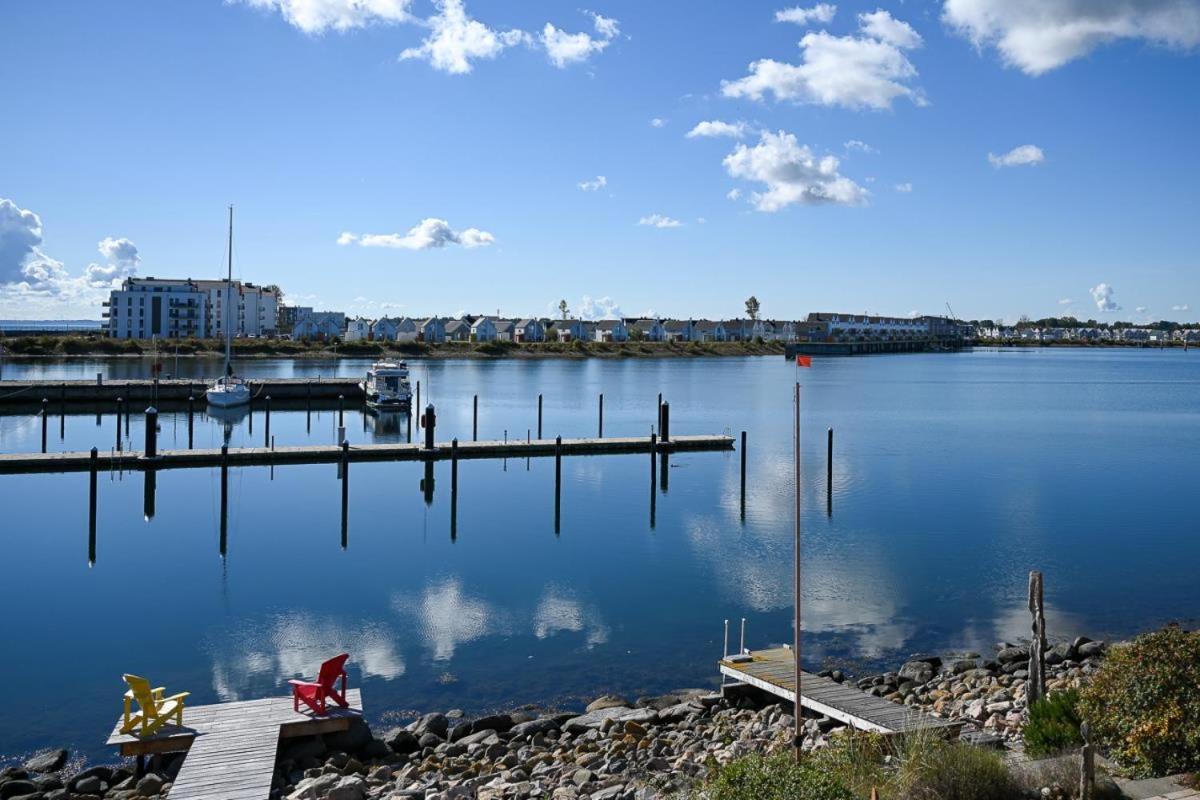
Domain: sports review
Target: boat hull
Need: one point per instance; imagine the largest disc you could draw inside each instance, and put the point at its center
(227, 398)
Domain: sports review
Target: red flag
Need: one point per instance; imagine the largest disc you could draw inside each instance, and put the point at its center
(803, 361)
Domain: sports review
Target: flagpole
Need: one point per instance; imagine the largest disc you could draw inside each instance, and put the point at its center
(797, 739)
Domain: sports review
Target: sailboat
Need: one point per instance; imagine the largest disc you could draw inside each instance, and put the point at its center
(228, 390)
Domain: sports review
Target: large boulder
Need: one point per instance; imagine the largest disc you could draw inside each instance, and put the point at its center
(18, 789)
(593, 719)
(402, 741)
(1008, 655)
(437, 724)
(919, 672)
(49, 761)
(607, 701)
(495, 722)
(350, 787)
(542, 725)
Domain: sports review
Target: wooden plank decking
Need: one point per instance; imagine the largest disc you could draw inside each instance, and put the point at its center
(774, 671)
(231, 746)
(321, 454)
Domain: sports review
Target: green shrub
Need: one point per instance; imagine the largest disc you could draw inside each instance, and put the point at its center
(775, 777)
(1053, 724)
(1143, 705)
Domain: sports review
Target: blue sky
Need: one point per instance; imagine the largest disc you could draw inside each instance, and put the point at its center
(401, 157)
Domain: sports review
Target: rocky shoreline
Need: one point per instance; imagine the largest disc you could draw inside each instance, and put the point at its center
(653, 747)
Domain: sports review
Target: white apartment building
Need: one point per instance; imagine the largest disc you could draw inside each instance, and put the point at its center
(255, 310)
(147, 307)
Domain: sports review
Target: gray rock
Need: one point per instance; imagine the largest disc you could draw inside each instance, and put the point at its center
(607, 701)
(1010, 654)
(402, 741)
(581, 777)
(495, 722)
(1089, 649)
(429, 740)
(18, 788)
(313, 788)
(49, 761)
(542, 725)
(479, 737)
(92, 784)
(919, 672)
(350, 787)
(150, 785)
(593, 719)
(435, 723)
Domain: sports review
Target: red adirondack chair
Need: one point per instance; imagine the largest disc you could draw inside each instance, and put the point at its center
(314, 695)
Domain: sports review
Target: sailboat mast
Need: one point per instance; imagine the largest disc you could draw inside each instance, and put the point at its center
(229, 301)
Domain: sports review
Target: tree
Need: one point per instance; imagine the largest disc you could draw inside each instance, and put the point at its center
(562, 308)
(752, 307)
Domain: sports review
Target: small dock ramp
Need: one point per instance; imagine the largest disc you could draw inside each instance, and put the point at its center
(231, 746)
(774, 671)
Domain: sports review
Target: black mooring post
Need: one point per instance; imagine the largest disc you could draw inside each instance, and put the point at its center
(92, 464)
(151, 432)
(475, 419)
(224, 497)
(653, 478)
(539, 416)
(45, 413)
(119, 401)
(601, 409)
(557, 484)
(345, 491)
(743, 494)
(191, 419)
(429, 421)
(658, 412)
(664, 422)
(267, 424)
(151, 485)
(453, 489)
(408, 420)
(664, 467)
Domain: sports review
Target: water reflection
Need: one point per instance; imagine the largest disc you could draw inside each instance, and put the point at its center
(447, 616)
(558, 611)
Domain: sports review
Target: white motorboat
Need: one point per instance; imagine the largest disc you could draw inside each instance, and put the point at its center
(228, 390)
(386, 386)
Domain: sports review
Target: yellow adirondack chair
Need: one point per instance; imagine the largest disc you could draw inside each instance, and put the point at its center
(154, 710)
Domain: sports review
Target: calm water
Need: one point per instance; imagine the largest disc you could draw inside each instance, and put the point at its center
(954, 475)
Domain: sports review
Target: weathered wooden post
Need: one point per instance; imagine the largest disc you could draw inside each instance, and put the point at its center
(539, 416)
(345, 491)
(664, 423)
(475, 419)
(267, 423)
(557, 483)
(743, 494)
(92, 463)
(224, 497)
(191, 419)
(1087, 766)
(45, 415)
(151, 432)
(1036, 687)
(454, 489)
(601, 432)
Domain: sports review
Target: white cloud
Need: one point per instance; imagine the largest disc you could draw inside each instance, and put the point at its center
(604, 308)
(1102, 294)
(429, 233)
(865, 71)
(123, 260)
(791, 173)
(1181, 307)
(904, 188)
(1025, 155)
(734, 194)
(119, 251)
(317, 16)
(821, 12)
(455, 40)
(1141, 309)
(1040, 35)
(20, 235)
(594, 185)
(657, 122)
(571, 48)
(716, 127)
(1066, 301)
(659, 221)
(862, 147)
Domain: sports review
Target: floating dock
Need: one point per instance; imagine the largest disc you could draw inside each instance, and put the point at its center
(774, 671)
(97, 391)
(327, 454)
(231, 747)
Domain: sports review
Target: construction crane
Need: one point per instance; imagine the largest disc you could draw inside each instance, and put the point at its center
(953, 318)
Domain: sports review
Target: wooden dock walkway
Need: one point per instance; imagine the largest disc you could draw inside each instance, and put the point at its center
(231, 747)
(774, 671)
(327, 454)
(89, 391)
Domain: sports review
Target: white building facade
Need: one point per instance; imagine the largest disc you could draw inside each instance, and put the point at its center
(147, 307)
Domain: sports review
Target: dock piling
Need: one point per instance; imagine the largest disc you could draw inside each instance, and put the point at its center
(151, 432)
(475, 419)
(267, 423)
(341, 410)
(600, 433)
(557, 483)
(191, 419)
(45, 419)
(453, 489)
(743, 495)
(429, 421)
(539, 416)
(92, 506)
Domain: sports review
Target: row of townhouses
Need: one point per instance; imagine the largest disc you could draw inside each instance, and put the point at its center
(176, 309)
(1005, 333)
